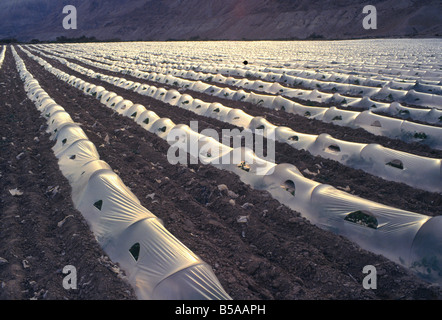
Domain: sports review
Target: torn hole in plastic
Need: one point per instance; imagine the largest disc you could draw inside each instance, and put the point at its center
(376, 124)
(244, 166)
(289, 186)
(396, 164)
(333, 148)
(135, 251)
(98, 204)
(363, 218)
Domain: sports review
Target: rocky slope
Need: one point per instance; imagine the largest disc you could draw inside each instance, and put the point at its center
(228, 19)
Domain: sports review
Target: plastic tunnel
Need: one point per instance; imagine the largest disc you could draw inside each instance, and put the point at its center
(409, 238)
(157, 264)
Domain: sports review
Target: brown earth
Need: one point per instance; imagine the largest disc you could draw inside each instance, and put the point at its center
(276, 255)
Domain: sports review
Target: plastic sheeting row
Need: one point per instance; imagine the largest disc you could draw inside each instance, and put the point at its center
(367, 120)
(405, 237)
(326, 70)
(370, 89)
(389, 90)
(349, 77)
(345, 61)
(417, 171)
(429, 95)
(2, 55)
(158, 265)
(430, 115)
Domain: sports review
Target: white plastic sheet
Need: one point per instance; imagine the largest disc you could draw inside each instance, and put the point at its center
(408, 238)
(157, 264)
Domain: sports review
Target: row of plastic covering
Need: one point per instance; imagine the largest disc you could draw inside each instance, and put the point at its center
(341, 75)
(416, 171)
(368, 120)
(412, 66)
(428, 95)
(426, 72)
(368, 100)
(386, 92)
(372, 80)
(2, 55)
(430, 115)
(157, 264)
(405, 237)
(417, 93)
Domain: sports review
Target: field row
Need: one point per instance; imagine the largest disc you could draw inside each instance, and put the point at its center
(274, 255)
(279, 97)
(324, 206)
(127, 231)
(420, 172)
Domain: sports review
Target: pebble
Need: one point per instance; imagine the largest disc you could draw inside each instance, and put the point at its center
(25, 264)
(222, 187)
(3, 261)
(15, 192)
(232, 194)
(346, 189)
(18, 157)
(242, 219)
(247, 205)
(152, 195)
(61, 223)
(307, 171)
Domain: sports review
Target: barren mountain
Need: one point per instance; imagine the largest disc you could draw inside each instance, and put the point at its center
(227, 19)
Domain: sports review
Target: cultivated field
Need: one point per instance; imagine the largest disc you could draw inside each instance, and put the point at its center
(355, 179)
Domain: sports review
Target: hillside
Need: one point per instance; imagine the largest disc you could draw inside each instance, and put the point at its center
(228, 19)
